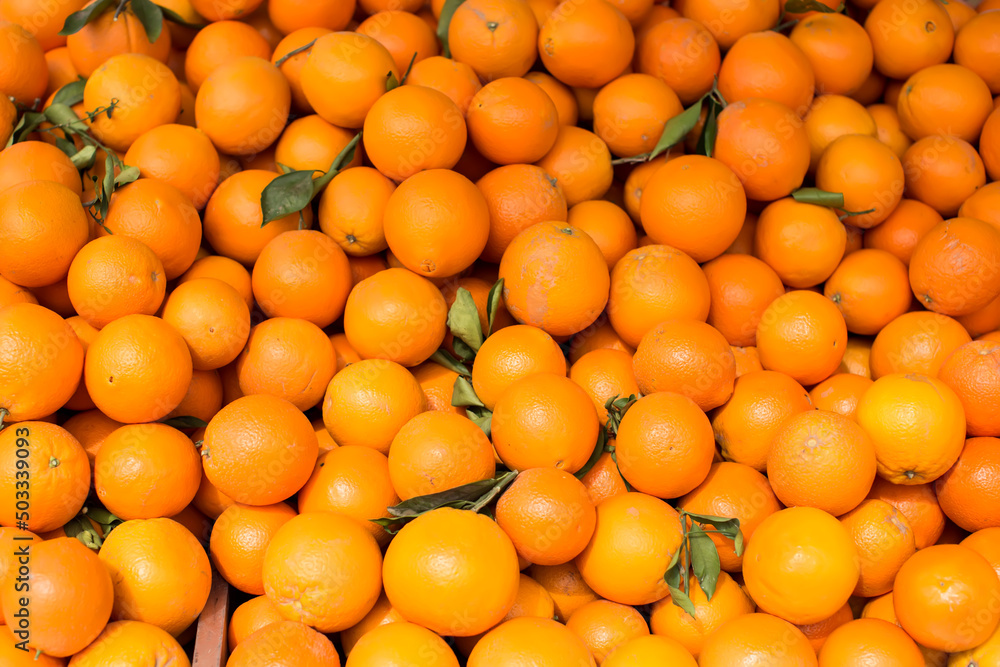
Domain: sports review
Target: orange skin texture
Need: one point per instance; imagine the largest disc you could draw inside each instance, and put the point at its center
(91, 429)
(424, 216)
(821, 459)
(802, 334)
(831, 117)
(544, 420)
(954, 268)
(37, 161)
(232, 220)
(240, 537)
(209, 500)
(250, 617)
(565, 585)
(916, 342)
(392, 642)
(105, 37)
(353, 481)
(984, 542)
(507, 49)
(631, 111)
(803, 243)
(586, 44)
(655, 283)
(867, 172)
(919, 506)
(293, 66)
(44, 26)
(651, 649)
(819, 632)
(581, 163)
(729, 602)
(555, 278)
(218, 44)
(695, 204)
(770, 639)
(60, 474)
(603, 625)
(311, 143)
(539, 641)
(512, 121)
(884, 541)
(145, 471)
(291, 15)
(532, 600)
(608, 224)
(870, 639)
(640, 534)
(225, 269)
(180, 156)
(149, 561)
(840, 393)
(742, 287)
(438, 385)
(243, 105)
(351, 210)
(944, 99)
(436, 451)
(455, 79)
(900, 410)
(899, 234)
(906, 40)
(250, 438)
(976, 48)
(728, 20)
(222, 11)
(733, 490)
(982, 205)
(403, 123)
(518, 196)
(403, 34)
(551, 503)
(81, 399)
(767, 65)
(662, 51)
(274, 642)
(34, 253)
(345, 66)
(838, 49)
(15, 657)
(380, 309)
(934, 579)
(942, 172)
(381, 614)
(871, 288)
(123, 361)
(889, 130)
(970, 372)
(967, 493)
(795, 548)
(566, 105)
(213, 319)
(115, 276)
(598, 336)
(483, 560)
(603, 481)
(604, 374)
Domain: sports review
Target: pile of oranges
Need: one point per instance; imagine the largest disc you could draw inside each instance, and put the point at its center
(501, 332)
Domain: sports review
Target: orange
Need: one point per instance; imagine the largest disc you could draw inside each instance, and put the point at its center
(984, 542)
(291, 15)
(180, 156)
(351, 210)
(544, 420)
(608, 225)
(565, 585)
(604, 481)
(664, 52)
(831, 117)
(382, 613)
(532, 600)
(438, 385)
(899, 411)
(695, 204)
(511, 354)
(212, 318)
(605, 374)
(918, 505)
(538, 641)
(823, 460)
(909, 36)
(931, 582)
(889, 130)
(344, 76)
(884, 541)
(771, 160)
(81, 399)
(976, 48)
(455, 79)
(292, 66)
(604, 625)
(225, 269)
(747, 360)
(405, 35)
(944, 99)
(497, 38)
(43, 227)
(598, 336)
(798, 549)
(91, 428)
(437, 451)
(145, 471)
(484, 561)
(37, 378)
(383, 312)
(44, 24)
(580, 162)
(653, 650)
(942, 172)
(635, 539)
(518, 196)
(819, 632)
(312, 144)
(220, 43)
(803, 335)
(561, 301)
(981, 204)
(249, 617)
(112, 33)
(688, 357)
(393, 643)
(742, 287)
(872, 641)
(240, 537)
(867, 172)
(871, 289)
(15, 656)
(60, 475)
(989, 144)
(36, 161)
(209, 500)
(243, 105)
(203, 398)
(966, 492)
(24, 75)
(353, 481)
(562, 96)
(750, 638)
(274, 643)
(655, 283)
(548, 516)
(728, 20)
(767, 65)
(968, 371)
(512, 121)
(161, 573)
(903, 229)
(953, 268)
(66, 614)
(631, 111)
(838, 49)
(222, 11)
(916, 342)
(840, 393)
(259, 450)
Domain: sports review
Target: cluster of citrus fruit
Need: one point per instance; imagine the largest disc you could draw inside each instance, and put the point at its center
(501, 332)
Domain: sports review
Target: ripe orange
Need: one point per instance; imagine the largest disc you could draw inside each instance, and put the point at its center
(392, 642)
(754, 637)
(250, 617)
(902, 230)
(803, 335)
(831, 117)
(518, 196)
(968, 371)
(631, 112)
(728, 20)
(916, 342)
(605, 374)
(225, 269)
(220, 43)
(512, 120)
(889, 130)
(840, 393)
(604, 625)
(580, 162)
(275, 642)
(293, 65)
(918, 504)
(907, 37)
(867, 172)
(382, 613)
(942, 172)
(838, 49)
(767, 65)
(653, 650)
(539, 641)
(497, 38)
(803, 243)
(664, 52)
(952, 268)
(240, 537)
(24, 75)
(180, 156)
(870, 288)
(819, 632)
(884, 541)
(351, 210)
(36, 161)
(608, 225)
(966, 492)
(944, 99)
(586, 44)
(870, 640)
(404, 34)
(213, 319)
(742, 287)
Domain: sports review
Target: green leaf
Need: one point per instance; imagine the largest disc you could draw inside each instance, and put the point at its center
(443, 358)
(127, 175)
(599, 448)
(100, 515)
(704, 559)
(285, 195)
(493, 305)
(673, 579)
(84, 158)
(391, 82)
(803, 6)
(343, 157)
(677, 128)
(819, 197)
(463, 395)
(151, 18)
(409, 67)
(29, 122)
(66, 146)
(473, 497)
(71, 93)
(294, 52)
(444, 22)
(481, 417)
(462, 350)
(706, 142)
(63, 116)
(185, 422)
(729, 528)
(616, 407)
(74, 22)
(463, 319)
(174, 17)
